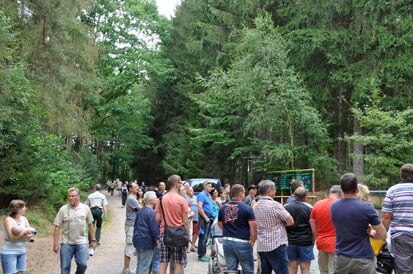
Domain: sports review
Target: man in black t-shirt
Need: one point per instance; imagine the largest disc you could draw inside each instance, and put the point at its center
(300, 237)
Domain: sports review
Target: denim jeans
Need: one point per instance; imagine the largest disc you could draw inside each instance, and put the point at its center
(239, 253)
(81, 254)
(203, 237)
(276, 260)
(13, 263)
(144, 258)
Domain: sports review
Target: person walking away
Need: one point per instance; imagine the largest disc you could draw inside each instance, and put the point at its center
(237, 220)
(124, 192)
(398, 215)
(206, 217)
(71, 222)
(323, 230)
(300, 237)
(98, 205)
(146, 233)
(132, 206)
(352, 219)
(250, 199)
(176, 214)
(17, 231)
(272, 219)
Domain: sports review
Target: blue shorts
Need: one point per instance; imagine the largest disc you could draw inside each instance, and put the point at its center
(300, 253)
(13, 263)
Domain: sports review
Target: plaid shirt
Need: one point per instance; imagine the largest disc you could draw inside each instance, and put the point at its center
(270, 216)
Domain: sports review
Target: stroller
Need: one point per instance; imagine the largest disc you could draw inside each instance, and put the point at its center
(217, 264)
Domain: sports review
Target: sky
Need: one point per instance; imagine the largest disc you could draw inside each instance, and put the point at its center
(167, 7)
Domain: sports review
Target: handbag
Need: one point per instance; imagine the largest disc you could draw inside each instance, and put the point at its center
(174, 236)
(385, 261)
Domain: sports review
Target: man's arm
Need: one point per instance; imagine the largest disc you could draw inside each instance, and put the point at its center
(56, 239)
(253, 231)
(313, 225)
(201, 212)
(380, 232)
(185, 220)
(289, 221)
(92, 235)
(386, 220)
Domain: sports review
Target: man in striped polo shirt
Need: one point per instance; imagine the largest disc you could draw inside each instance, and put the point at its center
(398, 215)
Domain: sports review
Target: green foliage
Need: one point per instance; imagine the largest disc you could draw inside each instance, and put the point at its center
(259, 108)
(387, 136)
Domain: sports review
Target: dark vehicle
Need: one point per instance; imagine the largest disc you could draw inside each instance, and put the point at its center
(197, 183)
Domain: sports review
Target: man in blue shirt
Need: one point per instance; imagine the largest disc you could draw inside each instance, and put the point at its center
(205, 212)
(352, 218)
(237, 220)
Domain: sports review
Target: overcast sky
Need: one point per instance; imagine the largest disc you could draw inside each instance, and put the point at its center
(167, 7)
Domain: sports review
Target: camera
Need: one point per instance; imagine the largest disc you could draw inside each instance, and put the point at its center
(34, 232)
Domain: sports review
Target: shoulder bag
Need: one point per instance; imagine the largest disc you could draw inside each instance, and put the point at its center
(174, 236)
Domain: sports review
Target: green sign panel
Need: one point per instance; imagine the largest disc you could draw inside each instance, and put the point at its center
(283, 179)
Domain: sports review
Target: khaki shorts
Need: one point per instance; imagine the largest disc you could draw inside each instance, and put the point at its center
(130, 250)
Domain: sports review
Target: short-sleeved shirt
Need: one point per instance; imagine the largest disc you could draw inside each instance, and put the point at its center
(399, 202)
(207, 203)
(270, 217)
(96, 199)
(131, 204)
(300, 233)
(326, 233)
(351, 218)
(235, 216)
(73, 223)
(174, 205)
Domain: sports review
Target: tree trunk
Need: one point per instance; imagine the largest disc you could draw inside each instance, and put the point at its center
(244, 171)
(358, 163)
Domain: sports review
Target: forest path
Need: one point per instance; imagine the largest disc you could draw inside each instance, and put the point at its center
(108, 257)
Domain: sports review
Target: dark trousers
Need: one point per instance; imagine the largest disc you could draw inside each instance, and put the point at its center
(97, 221)
(203, 236)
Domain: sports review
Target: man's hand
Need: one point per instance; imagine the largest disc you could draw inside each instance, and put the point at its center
(56, 247)
(92, 244)
(206, 219)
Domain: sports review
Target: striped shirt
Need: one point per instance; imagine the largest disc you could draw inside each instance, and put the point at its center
(399, 202)
(271, 230)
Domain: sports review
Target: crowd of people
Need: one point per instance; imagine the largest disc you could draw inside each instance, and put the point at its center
(343, 227)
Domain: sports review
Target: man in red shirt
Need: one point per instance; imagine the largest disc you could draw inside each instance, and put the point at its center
(176, 211)
(323, 230)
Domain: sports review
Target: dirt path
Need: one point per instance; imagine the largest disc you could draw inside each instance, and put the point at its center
(108, 258)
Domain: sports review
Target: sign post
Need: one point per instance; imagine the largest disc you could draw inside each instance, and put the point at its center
(283, 179)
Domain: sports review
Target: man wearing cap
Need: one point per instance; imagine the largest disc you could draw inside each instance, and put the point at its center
(206, 213)
(250, 199)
